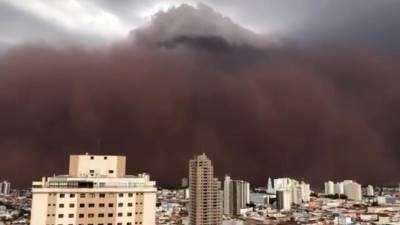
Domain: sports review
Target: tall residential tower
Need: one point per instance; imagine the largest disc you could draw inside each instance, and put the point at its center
(205, 196)
(96, 191)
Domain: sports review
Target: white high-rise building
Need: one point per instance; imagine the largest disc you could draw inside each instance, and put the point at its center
(370, 190)
(96, 191)
(305, 191)
(282, 183)
(352, 190)
(227, 191)
(205, 206)
(300, 191)
(339, 188)
(236, 195)
(283, 199)
(5, 188)
(270, 189)
(329, 188)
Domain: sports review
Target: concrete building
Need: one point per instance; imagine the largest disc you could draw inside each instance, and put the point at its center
(185, 183)
(300, 193)
(96, 191)
(339, 188)
(282, 183)
(283, 199)
(370, 190)
(236, 195)
(205, 206)
(329, 188)
(260, 198)
(352, 190)
(270, 189)
(5, 188)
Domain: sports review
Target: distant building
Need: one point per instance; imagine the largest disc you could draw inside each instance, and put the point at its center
(96, 191)
(236, 195)
(185, 182)
(299, 191)
(283, 200)
(260, 198)
(352, 190)
(270, 189)
(5, 188)
(205, 206)
(329, 188)
(339, 188)
(370, 190)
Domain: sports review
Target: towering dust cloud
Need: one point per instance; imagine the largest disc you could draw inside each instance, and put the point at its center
(193, 81)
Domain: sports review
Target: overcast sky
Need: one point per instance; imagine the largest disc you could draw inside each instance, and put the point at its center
(94, 22)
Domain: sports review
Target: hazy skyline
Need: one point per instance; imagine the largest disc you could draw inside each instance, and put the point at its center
(307, 89)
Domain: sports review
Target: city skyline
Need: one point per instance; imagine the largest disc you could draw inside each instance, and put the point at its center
(307, 90)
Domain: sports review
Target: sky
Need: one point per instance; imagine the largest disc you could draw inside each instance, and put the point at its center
(306, 89)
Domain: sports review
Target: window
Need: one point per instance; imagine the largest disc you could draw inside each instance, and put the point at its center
(62, 195)
(110, 205)
(71, 215)
(81, 205)
(129, 214)
(105, 157)
(130, 204)
(81, 215)
(91, 205)
(111, 171)
(120, 195)
(71, 205)
(120, 204)
(60, 215)
(91, 157)
(61, 205)
(101, 205)
(101, 215)
(130, 195)
(110, 215)
(91, 171)
(90, 215)
(82, 195)
(102, 195)
(72, 195)
(119, 214)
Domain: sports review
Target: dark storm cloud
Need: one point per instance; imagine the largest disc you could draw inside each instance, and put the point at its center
(183, 85)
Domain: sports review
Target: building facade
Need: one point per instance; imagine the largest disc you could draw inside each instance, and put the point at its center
(283, 199)
(96, 191)
(5, 188)
(205, 206)
(236, 195)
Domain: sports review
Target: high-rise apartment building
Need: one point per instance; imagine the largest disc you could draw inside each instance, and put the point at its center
(270, 189)
(96, 191)
(205, 196)
(349, 188)
(329, 188)
(352, 190)
(5, 188)
(299, 191)
(370, 190)
(283, 199)
(236, 195)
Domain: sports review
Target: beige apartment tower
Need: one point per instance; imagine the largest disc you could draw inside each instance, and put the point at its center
(205, 196)
(95, 192)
